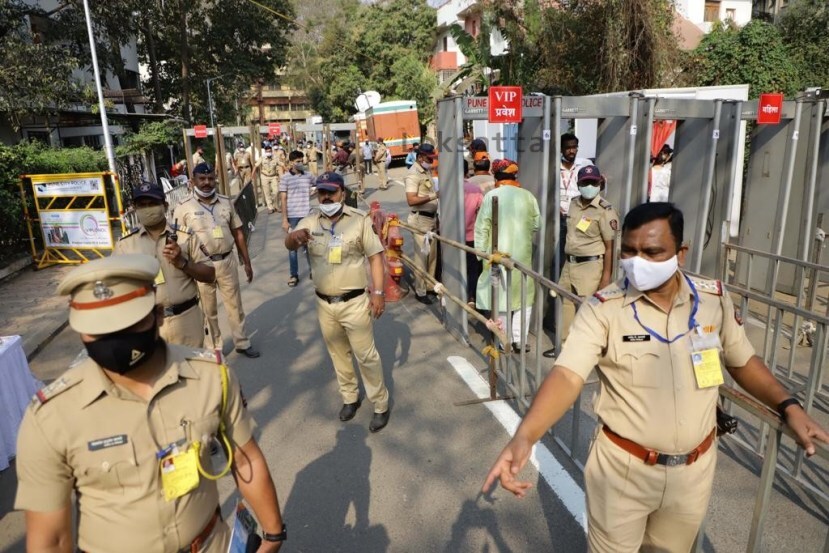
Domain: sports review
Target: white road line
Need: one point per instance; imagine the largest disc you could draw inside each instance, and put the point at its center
(565, 488)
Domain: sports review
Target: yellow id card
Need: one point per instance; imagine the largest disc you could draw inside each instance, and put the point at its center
(159, 278)
(335, 250)
(707, 367)
(217, 232)
(180, 473)
(584, 224)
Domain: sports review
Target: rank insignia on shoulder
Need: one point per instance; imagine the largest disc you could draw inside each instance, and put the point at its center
(130, 233)
(611, 291)
(48, 392)
(738, 316)
(708, 286)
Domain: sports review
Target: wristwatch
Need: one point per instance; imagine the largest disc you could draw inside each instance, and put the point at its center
(183, 265)
(378, 292)
(783, 405)
(282, 536)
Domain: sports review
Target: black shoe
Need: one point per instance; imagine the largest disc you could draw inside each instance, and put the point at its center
(349, 410)
(550, 353)
(424, 299)
(516, 348)
(379, 421)
(250, 352)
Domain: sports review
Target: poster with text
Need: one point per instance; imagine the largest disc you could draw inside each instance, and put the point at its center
(82, 184)
(76, 229)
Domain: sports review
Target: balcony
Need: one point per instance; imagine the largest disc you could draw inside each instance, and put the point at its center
(445, 61)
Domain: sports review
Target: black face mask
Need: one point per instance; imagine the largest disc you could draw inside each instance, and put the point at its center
(122, 351)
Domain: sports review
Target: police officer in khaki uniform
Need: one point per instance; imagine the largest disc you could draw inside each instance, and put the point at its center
(423, 199)
(182, 261)
(242, 164)
(659, 339)
(214, 220)
(312, 153)
(380, 154)
(592, 225)
(128, 428)
(198, 156)
(268, 168)
(339, 239)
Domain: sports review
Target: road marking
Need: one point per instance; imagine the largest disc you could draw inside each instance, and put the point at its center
(562, 484)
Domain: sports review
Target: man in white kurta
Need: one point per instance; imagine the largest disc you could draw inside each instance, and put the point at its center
(518, 218)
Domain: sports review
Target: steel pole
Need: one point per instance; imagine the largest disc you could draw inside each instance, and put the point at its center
(210, 104)
(96, 72)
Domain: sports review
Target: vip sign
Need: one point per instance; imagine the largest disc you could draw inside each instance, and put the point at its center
(505, 104)
(200, 131)
(274, 129)
(769, 109)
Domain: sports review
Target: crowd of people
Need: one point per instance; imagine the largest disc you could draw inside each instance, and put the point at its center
(132, 427)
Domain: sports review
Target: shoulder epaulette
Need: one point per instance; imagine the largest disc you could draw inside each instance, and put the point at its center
(708, 286)
(184, 230)
(54, 389)
(609, 292)
(130, 233)
(357, 212)
(201, 355)
(605, 204)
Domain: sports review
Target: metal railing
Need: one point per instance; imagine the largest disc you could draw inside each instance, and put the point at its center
(520, 379)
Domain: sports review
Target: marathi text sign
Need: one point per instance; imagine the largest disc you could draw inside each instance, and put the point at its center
(75, 229)
(531, 106)
(50, 186)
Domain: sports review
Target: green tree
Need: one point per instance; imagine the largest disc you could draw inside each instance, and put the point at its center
(754, 54)
(411, 79)
(805, 29)
(35, 76)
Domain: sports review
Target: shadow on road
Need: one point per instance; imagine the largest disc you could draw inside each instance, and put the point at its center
(474, 515)
(327, 490)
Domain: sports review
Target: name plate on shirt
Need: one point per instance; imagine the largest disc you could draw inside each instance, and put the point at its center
(103, 443)
(637, 338)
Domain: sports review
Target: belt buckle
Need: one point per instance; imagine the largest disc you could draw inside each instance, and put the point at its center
(675, 460)
(335, 299)
(168, 312)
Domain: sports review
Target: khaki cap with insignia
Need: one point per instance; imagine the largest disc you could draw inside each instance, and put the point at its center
(110, 294)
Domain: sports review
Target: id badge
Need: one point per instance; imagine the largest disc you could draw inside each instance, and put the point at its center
(335, 250)
(159, 278)
(179, 472)
(705, 357)
(584, 224)
(217, 232)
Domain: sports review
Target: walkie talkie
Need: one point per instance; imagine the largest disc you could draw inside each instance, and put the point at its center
(173, 236)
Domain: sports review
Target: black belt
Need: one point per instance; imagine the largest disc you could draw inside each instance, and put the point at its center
(584, 258)
(219, 256)
(180, 308)
(340, 299)
(425, 214)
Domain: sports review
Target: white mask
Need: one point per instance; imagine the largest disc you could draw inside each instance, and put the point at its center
(589, 192)
(268, 154)
(427, 166)
(647, 275)
(329, 210)
(199, 192)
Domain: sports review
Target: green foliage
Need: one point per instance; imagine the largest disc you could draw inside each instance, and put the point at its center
(153, 134)
(34, 76)
(754, 54)
(804, 26)
(33, 158)
(347, 47)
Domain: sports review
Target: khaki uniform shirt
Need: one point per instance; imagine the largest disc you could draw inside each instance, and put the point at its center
(242, 159)
(419, 181)
(212, 223)
(268, 166)
(281, 158)
(380, 154)
(599, 221)
(85, 433)
(358, 243)
(198, 158)
(173, 286)
(648, 392)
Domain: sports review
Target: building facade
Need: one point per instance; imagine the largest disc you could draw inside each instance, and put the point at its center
(278, 103)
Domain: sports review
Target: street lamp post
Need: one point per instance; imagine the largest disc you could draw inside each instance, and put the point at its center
(101, 106)
(210, 97)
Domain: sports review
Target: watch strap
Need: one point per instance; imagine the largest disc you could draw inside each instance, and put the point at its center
(282, 536)
(783, 405)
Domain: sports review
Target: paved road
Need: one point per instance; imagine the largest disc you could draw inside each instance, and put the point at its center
(413, 486)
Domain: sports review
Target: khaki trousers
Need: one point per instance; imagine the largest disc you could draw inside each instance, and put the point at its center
(244, 176)
(381, 174)
(426, 262)
(186, 329)
(269, 185)
(227, 282)
(312, 167)
(347, 329)
(581, 279)
(631, 505)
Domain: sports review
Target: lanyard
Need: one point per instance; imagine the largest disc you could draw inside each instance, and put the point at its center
(331, 230)
(692, 321)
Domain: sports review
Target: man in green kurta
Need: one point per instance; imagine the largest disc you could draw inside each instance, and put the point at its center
(518, 218)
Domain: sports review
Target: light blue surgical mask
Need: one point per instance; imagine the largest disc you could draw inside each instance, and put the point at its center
(589, 192)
